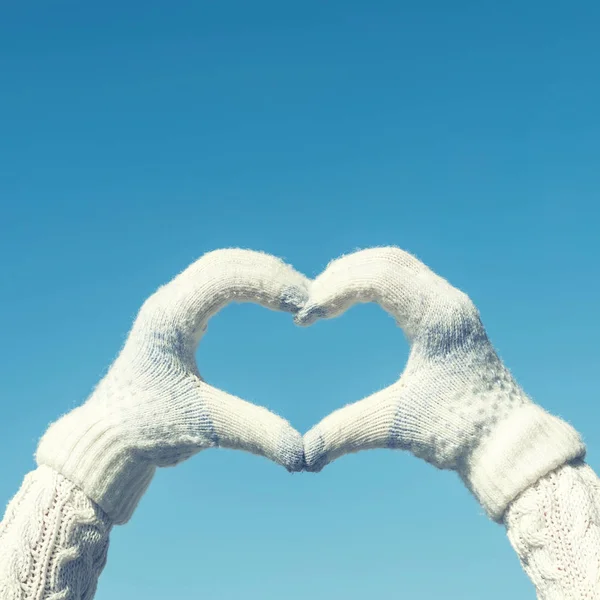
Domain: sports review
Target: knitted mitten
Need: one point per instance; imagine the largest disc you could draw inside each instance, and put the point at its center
(153, 409)
(456, 405)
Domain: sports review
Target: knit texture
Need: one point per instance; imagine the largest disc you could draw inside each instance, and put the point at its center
(456, 405)
(53, 541)
(554, 527)
(153, 409)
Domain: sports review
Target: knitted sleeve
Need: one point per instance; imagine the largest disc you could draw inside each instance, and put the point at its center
(53, 541)
(554, 526)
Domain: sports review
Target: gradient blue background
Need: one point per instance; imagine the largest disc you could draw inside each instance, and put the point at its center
(135, 136)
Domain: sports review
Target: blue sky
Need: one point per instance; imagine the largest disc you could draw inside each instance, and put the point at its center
(137, 136)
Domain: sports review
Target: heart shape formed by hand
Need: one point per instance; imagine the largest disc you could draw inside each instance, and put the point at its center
(454, 404)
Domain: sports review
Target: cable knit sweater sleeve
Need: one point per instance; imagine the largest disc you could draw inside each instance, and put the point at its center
(53, 541)
(554, 526)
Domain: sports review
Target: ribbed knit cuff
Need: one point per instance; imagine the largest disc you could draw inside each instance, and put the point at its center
(96, 456)
(524, 447)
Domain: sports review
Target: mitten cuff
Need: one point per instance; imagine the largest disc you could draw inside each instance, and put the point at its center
(524, 447)
(93, 453)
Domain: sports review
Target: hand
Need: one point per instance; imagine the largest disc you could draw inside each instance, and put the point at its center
(456, 405)
(153, 409)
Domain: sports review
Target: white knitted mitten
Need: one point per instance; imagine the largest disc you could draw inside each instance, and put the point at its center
(152, 409)
(456, 405)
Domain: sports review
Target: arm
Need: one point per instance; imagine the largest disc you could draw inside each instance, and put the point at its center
(458, 407)
(554, 527)
(151, 410)
(53, 541)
